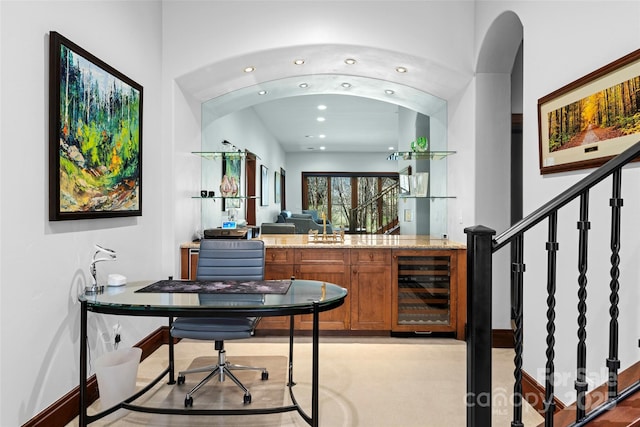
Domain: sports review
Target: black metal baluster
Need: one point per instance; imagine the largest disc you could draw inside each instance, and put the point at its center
(581, 383)
(613, 363)
(552, 248)
(517, 272)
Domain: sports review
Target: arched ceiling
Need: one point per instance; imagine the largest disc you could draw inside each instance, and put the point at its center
(286, 108)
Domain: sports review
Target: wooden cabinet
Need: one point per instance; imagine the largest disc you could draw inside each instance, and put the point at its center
(428, 291)
(278, 264)
(188, 263)
(398, 290)
(330, 265)
(370, 289)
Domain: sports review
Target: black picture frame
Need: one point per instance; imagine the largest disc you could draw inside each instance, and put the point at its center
(95, 136)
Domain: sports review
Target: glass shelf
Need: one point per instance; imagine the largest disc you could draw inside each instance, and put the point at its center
(217, 155)
(426, 197)
(227, 198)
(419, 155)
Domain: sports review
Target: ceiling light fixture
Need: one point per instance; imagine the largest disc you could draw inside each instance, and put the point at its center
(322, 136)
(303, 85)
(401, 69)
(346, 85)
(299, 61)
(262, 92)
(249, 69)
(391, 148)
(321, 119)
(389, 92)
(322, 147)
(350, 61)
(322, 107)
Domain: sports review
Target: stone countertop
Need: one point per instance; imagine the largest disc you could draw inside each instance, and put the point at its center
(353, 241)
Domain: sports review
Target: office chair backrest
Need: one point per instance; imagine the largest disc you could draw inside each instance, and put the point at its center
(233, 259)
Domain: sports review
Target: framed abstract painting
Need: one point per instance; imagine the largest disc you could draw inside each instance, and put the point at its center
(95, 136)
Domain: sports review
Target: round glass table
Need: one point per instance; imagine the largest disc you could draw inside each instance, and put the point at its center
(301, 297)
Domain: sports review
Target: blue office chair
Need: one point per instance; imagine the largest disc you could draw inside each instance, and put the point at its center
(223, 260)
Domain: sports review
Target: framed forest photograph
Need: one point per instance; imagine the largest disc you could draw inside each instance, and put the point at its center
(591, 120)
(95, 136)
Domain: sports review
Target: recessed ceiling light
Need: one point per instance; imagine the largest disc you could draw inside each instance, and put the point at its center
(262, 92)
(321, 119)
(299, 61)
(349, 61)
(401, 69)
(322, 148)
(346, 85)
(322, 107)
(303, 85)
(322, 136)
(389, 92)
(249, 69)
(391, 148)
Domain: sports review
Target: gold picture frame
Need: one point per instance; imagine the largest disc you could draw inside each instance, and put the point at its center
(587, 122)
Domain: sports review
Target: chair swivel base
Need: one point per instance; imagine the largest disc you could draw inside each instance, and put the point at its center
(222, 369)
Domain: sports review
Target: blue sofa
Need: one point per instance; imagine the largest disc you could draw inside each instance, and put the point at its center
(303, 222)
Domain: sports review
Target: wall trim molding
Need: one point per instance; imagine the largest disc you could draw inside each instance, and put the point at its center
(502, 338)
(64, 410)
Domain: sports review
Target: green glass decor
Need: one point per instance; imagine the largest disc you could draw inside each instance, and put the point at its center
(421, 144)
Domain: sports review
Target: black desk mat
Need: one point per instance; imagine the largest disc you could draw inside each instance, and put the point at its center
(219, 287)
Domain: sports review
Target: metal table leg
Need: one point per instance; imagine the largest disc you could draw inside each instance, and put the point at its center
(314, 375)
(83, 364)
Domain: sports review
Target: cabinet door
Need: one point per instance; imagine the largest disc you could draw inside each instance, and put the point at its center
(188, 263)
(424, 292)
(371, 289)
(278, 264)
(328, 265)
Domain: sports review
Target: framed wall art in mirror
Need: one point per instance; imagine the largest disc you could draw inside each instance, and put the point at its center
(276, 187)
(95, 136)
(264, 187)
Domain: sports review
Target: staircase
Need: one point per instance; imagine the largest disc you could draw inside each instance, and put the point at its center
(617, 402)
(378, 215)
(625, 413)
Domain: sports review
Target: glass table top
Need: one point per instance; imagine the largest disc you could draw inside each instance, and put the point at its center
(300, 295)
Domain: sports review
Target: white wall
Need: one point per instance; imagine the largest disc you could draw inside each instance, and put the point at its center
(546, 69)
(45, 264)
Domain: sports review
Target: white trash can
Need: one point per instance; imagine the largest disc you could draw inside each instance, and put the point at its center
(116, 372)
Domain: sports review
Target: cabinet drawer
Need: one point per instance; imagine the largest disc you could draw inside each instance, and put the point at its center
(279, 256)
(322, 256)
(371, 256)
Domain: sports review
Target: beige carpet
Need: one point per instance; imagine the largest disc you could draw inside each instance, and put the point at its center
(372, 382)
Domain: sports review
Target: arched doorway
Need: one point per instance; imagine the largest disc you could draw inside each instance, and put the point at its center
(499, 143)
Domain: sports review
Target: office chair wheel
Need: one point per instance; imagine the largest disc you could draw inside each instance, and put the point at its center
(188, 401)
(181, 380)
(265, 375)
(247, 399)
